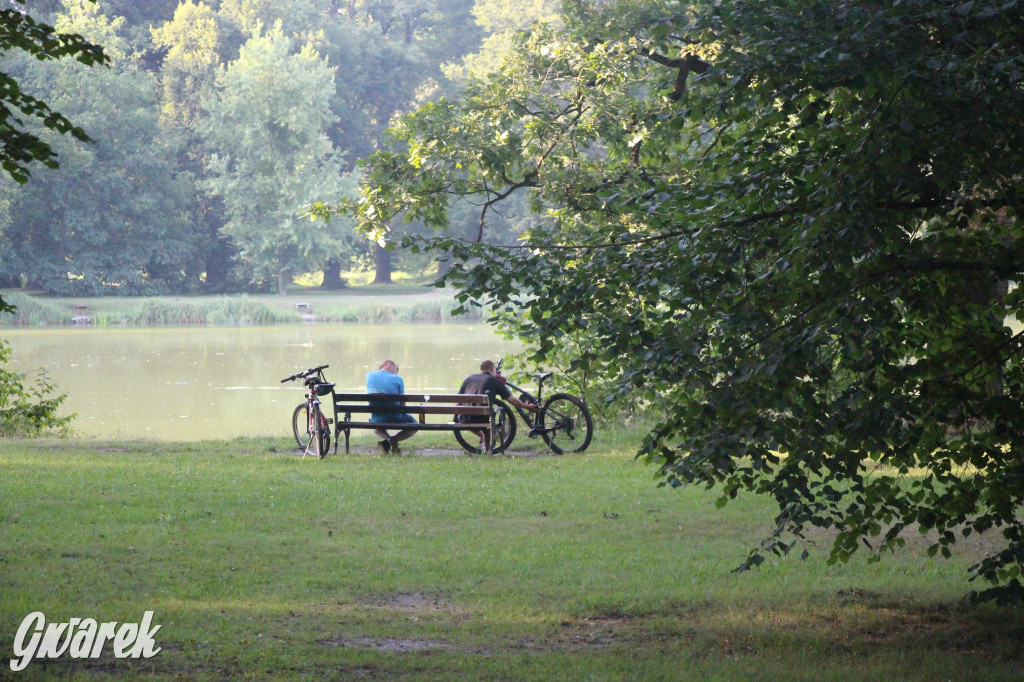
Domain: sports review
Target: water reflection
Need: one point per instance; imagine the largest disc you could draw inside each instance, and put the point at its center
(199, 383)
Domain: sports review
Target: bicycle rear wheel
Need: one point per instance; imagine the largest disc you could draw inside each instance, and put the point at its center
(566, 424)
(505, 430)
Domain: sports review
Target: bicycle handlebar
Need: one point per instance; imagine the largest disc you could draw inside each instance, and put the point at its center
(306, 373)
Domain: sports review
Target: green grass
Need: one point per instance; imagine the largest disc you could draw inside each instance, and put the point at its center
(262, 565)
(370, 304)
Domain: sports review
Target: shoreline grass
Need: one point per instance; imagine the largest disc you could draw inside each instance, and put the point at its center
(402, 304)
(262, 565)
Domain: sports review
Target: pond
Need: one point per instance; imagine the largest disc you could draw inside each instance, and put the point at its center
(212, 383)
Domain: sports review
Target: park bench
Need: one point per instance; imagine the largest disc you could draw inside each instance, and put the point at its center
(352, 411)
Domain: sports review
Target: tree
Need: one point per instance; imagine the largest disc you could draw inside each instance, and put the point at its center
(24, 408)
(113, 219)
(19, 148)
(790, 227)
(501, 20)
(268, 161)
(190, 61)
(191, 45)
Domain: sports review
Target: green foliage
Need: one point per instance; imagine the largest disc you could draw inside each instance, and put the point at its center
(28, 406)
(119, 221)
(501, 21)
(267, 162)
(788, 227)
(149, 208)
(19, 145)
(189, 67)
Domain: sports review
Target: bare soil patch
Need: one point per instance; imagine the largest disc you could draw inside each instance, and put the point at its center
(574, 635)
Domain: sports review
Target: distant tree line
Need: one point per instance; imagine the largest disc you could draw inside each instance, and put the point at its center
(210, 128)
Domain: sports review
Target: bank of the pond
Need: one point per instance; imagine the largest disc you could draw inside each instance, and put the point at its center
(365, 305)
(201, 381)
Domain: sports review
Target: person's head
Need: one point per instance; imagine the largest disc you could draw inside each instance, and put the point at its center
(389, 366)
(487, 366)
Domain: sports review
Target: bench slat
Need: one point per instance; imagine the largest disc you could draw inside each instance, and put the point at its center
(414, 409)
(410, 398)
(389, 426)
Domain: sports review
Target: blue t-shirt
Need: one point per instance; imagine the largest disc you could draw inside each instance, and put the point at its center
(383, 381)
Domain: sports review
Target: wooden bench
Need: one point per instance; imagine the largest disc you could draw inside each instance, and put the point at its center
(352, 411)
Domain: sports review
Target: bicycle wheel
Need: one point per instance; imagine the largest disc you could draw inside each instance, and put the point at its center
(322, 438)
(566, 424)
(300, 425)
(505, 429)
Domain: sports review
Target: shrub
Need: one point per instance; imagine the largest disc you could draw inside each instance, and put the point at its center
(29, 409)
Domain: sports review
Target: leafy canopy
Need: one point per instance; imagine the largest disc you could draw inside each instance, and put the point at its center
(275, 157)
(792, 228)
(19, 147)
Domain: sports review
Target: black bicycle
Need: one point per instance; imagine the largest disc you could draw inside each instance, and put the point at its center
(309, 424)
(563, 420)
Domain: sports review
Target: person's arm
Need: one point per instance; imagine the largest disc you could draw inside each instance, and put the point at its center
(532, 407)
(506, 394)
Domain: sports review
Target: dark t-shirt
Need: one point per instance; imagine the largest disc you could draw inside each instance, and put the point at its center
(486, 384)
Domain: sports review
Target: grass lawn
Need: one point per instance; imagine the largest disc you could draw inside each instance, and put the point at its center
(259, 564)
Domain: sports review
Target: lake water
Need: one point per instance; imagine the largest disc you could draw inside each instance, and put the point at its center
(203, 383)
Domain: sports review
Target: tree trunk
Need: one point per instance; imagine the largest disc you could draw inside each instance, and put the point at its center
(280, 284)
(382, 264)
(332, 275)
(217, 263)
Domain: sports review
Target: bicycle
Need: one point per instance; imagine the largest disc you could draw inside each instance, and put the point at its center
(309, 425)
(563, 421)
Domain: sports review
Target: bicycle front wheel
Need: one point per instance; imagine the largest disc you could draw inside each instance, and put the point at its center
(505, 431)
(565, 424)
(300, 425)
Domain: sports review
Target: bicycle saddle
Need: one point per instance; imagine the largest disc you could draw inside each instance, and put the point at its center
(541, 376)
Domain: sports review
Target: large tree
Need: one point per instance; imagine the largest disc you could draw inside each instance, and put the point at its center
(113, 217)
(792, 227)
(20, 146)
(270, 157)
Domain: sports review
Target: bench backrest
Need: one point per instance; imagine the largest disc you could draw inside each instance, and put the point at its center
(419, 404)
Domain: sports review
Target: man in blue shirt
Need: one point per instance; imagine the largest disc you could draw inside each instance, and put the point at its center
(387, 380)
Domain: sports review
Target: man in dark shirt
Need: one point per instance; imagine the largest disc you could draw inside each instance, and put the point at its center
(487, 383)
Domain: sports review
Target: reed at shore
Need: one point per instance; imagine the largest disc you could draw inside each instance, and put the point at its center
(401, 306)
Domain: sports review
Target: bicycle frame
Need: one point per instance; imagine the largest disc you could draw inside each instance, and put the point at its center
(538, 399)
